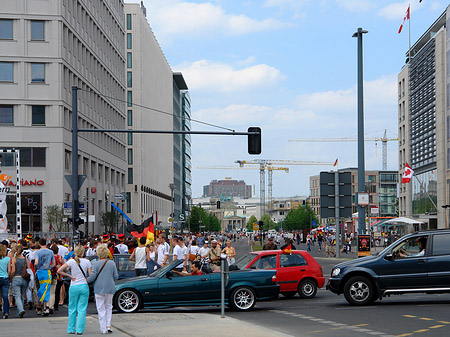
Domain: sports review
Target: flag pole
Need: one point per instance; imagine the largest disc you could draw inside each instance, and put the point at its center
(426, 192)
(409, 24)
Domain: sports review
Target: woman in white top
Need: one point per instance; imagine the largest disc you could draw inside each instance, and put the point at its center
(79, 290)
(140, 256)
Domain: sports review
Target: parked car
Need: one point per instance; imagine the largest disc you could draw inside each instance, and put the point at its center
(125, 267)
(163, 289)
(296, 272)
(418, 262)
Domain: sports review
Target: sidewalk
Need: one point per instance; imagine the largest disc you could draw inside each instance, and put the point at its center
(142, 325)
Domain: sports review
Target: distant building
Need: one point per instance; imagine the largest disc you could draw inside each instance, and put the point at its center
(423, 122)
(227, 188)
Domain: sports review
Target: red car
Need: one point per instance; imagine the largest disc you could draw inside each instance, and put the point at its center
(296, 272)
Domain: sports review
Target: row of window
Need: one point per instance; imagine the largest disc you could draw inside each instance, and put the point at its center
(29, 157)
(7, 72)
(37, 114)
(37, 28)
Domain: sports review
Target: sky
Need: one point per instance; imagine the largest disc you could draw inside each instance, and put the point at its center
(289, 67)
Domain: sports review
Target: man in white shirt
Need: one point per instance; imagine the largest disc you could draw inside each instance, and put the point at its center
(121, 247)
(163, 250)
(92, 247)
(203, 251)
(62, 251)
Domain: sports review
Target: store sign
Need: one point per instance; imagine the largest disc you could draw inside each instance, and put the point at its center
(363, 245)
(25, 182)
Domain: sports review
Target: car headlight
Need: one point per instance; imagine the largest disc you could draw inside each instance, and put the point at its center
(335, 272)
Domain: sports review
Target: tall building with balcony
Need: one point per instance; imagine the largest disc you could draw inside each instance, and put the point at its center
(424, 119)
(150, 106)
(47, 48)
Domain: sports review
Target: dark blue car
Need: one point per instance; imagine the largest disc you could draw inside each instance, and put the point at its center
(418, 262)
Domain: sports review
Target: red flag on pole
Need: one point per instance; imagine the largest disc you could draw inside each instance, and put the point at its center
(404, 20)
(406, 178)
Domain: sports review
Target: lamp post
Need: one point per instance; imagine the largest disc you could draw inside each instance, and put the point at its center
(172, 188)
(189, 208)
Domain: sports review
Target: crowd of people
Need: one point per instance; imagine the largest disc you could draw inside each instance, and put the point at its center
(43, 274)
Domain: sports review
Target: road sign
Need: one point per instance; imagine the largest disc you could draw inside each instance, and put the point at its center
(313, 223)
(67, 211)
(119, 196)
(68, 204)
(256, 227)
(181, 216)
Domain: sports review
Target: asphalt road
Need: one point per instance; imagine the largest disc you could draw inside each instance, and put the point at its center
(329, 315)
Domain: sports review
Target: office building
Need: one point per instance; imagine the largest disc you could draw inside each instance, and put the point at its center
(48, 47)
(227, 188)
(424, 120)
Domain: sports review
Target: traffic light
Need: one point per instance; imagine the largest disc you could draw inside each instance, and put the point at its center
(304, 203)
(218, 204)
(254, 141)
(78, 221)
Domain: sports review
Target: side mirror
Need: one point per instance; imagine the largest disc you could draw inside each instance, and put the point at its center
(253, 267)
(389, 256)
(169, 275)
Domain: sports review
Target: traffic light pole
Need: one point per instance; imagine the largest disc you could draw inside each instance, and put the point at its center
(75, 186)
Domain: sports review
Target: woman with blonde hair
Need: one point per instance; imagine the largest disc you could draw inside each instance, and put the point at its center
(5, 268)
(78, 291)
(104, 273)
(19, 265)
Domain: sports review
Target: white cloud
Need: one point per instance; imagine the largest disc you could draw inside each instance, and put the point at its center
(356, 5)
(285, 3)
(397, 10)
(193, 20)
(220, 77)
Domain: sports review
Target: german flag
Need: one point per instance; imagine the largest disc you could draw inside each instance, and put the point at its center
(287, 248)
(146, 229)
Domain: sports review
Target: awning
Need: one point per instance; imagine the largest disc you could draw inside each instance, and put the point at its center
(403, 221)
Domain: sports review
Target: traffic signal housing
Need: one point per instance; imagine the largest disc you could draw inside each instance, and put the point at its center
(78, 221)
(218, 204)
(254, 141)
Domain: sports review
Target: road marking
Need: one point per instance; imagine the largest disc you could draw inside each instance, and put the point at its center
(444, 322)
(409, 316)
(422, 330)
(436, 326)
(361, 324)
(405, 334)
(426, 319)
(339, 328)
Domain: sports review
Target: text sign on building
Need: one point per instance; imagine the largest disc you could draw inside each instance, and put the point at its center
(328, 198)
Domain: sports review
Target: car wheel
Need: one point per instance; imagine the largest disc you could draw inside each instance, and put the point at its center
(359, 290)
(242, 299)
(127, 300)
(289, 294)
(307, 289)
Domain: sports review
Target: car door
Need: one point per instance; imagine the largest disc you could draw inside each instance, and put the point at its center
(179, 288)
(125, 267)
(292, 267)
(439, 261)
(398, 270)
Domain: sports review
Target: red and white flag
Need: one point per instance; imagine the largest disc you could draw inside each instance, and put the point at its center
(408, 174)
(404, 20)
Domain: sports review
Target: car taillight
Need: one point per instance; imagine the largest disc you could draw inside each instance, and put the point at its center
(274, 278)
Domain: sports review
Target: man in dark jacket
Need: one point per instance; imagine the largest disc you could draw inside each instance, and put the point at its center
(270, 245)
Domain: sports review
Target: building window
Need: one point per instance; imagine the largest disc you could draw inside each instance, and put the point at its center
(130, 156)
(67, 157)
(130, 118)
(6, 71)
(128, 202)
(130, 175)
(130, 138)
(130, 98)
(129, 37)
(93, 165)
(32, 157)
(38, 72)
(37, 30)
(6, 114)
(129, 60)
(100, 172)
(6, 29)
(129, 79)
(38, 115)
(128, 21)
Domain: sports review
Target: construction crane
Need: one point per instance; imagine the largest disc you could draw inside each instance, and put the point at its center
(263, 163)
(270, 170)
(383, 139)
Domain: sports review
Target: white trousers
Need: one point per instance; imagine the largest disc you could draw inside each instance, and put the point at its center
(104, 310)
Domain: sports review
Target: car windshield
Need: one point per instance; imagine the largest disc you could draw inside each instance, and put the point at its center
(245, 260)
(164, 269)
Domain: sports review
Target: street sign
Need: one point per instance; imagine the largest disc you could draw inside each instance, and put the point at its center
(256, 227)
(67, 211)
(327, 194)
(181, 216)
(119, 196)
(68, 204)
(313, 223)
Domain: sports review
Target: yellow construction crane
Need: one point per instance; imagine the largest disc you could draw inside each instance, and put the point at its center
(383, 139)
(270, 170)
(263, 163)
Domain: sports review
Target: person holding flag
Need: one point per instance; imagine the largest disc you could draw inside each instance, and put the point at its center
(44, 260)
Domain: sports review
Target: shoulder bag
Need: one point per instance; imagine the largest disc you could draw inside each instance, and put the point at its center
(104, 264)
(25, 274)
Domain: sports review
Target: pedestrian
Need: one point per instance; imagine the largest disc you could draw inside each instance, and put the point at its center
(20, 278)
(319, 241)
(5, 269)
(54, 285)
(121, 247)
(104, 273)
(163, 250)
(139, 255)
(214, 255)
(308, 243)
(231, 253)
(270, 245)
(44, 261)
(78, 291)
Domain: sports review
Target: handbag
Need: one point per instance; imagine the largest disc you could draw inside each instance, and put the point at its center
(25, 274)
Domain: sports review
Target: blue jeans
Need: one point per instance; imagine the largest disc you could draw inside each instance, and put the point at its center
(4, 286)
(19, 286)
(78, 301)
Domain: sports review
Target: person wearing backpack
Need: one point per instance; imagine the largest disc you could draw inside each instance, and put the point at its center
(104, 273)
(20, 279)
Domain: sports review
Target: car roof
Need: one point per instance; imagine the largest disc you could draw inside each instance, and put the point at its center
(276, 251)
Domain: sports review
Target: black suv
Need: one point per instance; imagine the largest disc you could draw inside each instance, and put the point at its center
(418, 262)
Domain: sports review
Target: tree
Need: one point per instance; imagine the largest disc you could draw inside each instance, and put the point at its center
(251, 221)
(214, 223)
(299, 218)
(110, 220)
(268, 222)
(53, 215)
(199, 216)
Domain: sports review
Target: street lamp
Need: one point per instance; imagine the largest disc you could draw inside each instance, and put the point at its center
(172, 188)
(189, 208)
